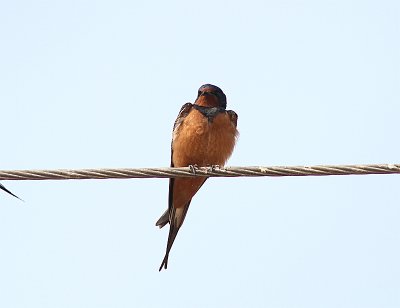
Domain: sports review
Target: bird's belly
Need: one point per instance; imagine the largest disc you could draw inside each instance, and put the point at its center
(202, 142)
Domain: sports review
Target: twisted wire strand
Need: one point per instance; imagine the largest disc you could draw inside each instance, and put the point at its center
(215, 171)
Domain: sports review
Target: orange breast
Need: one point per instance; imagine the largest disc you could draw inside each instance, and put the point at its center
(201, 142)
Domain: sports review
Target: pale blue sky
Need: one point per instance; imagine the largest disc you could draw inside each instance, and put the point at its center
(88, 84)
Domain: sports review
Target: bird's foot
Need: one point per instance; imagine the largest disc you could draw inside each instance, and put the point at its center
(193, 168)
(212, 168)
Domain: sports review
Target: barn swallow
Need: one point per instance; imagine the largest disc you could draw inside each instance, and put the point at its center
(204, 134)
(6, 190)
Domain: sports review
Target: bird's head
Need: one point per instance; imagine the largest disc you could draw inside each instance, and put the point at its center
(210, 96)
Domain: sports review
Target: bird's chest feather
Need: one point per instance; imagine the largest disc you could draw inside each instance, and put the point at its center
(203, 141)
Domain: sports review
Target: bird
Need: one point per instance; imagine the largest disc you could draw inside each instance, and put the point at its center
(7, 191)
(204, 134)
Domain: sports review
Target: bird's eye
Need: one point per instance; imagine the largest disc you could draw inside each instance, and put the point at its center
(198, 93)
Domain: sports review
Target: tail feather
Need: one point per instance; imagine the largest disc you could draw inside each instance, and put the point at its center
(173, 231)
(6, 190)
(164, 262)
(177, 217)
(164, 219)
